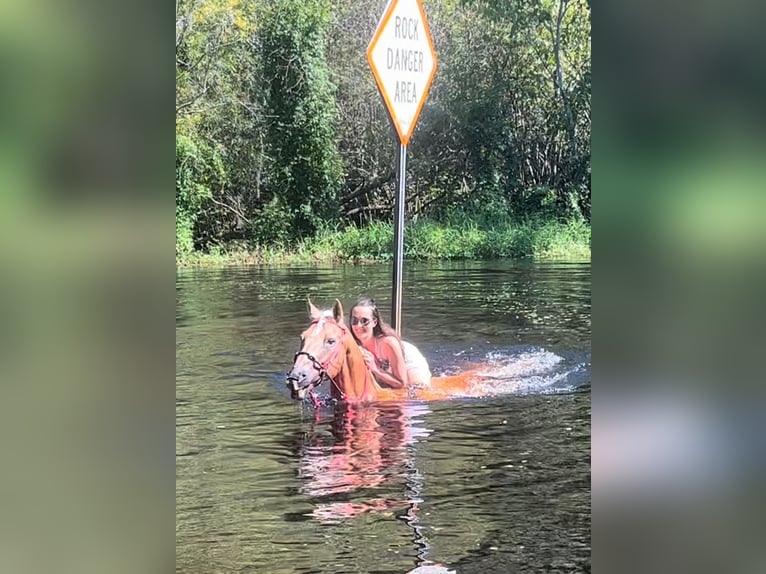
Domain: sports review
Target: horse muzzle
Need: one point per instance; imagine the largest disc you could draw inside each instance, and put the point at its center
(299, 385)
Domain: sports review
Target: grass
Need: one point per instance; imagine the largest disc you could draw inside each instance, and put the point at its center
(424, 240)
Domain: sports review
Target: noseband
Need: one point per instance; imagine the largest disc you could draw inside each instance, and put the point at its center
(321, 369)
(314, 362)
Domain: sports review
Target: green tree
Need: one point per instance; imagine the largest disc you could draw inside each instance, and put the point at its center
(219, 105)
(281, 128)
(199, 170)
(300, 104)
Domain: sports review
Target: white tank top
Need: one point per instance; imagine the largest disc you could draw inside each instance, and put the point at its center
(413, 358)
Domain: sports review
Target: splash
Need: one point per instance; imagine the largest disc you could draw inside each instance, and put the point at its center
(527, 371)
(534, 371)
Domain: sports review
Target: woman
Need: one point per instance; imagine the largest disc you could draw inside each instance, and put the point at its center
(393, 362)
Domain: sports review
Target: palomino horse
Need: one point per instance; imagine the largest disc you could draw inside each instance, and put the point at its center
(329, 353)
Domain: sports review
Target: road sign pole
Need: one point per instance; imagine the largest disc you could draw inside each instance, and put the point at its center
(403, 61)
(396, 296)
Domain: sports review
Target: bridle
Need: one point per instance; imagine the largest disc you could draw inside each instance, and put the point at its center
(321, 368)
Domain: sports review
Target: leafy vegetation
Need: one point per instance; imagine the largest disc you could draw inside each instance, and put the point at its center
(425, 240)
(284, 147)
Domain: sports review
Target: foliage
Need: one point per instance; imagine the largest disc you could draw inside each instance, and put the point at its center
(284, 141)
(198, 170)
(219, 106)
(373, 241)
(513, 126)
(301, 109)
(424, 240)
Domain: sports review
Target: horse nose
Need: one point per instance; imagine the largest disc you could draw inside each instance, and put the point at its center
(298, 374)
(295, 382)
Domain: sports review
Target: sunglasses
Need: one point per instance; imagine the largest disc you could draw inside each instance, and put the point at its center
(364, 321)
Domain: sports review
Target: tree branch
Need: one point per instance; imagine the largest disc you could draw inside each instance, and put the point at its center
(365, 188)
(230, 208)
(369, 208)
(558, 77)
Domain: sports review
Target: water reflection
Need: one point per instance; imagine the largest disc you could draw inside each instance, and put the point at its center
(353, 454)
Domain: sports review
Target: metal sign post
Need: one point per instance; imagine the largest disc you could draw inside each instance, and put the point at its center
(403, 61)
(396, 295)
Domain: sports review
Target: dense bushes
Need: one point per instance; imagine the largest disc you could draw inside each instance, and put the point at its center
(424, 240)
(199, 169)
(282, 134)
(300, 107)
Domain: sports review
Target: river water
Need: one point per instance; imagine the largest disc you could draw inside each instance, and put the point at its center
(499, 483)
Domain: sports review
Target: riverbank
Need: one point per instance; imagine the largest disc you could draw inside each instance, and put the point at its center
(424, 240)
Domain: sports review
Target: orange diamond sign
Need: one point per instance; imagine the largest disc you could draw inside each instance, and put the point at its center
(403, 61)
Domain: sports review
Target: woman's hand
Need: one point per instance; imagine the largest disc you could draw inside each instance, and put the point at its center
(369, 359)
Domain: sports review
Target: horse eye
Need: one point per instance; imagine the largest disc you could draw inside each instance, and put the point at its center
(330, 341)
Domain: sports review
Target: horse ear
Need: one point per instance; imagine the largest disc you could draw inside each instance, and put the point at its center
(314, 313)
(337, 311)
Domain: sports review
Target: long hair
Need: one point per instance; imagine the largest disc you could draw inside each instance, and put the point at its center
(381, 328)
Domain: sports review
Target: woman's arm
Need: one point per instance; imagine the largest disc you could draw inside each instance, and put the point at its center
(396, 376)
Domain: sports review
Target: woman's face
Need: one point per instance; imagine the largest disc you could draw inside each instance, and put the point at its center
(362, 322)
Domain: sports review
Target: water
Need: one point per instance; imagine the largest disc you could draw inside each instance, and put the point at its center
(493, 484)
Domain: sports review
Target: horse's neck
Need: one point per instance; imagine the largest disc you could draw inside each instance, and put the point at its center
(355, 380)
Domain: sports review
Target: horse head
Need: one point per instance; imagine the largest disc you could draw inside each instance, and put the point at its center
(328, 352)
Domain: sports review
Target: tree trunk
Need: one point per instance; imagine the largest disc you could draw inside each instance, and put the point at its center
(559, 79)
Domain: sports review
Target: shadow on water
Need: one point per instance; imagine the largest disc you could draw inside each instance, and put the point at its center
(493, 484)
